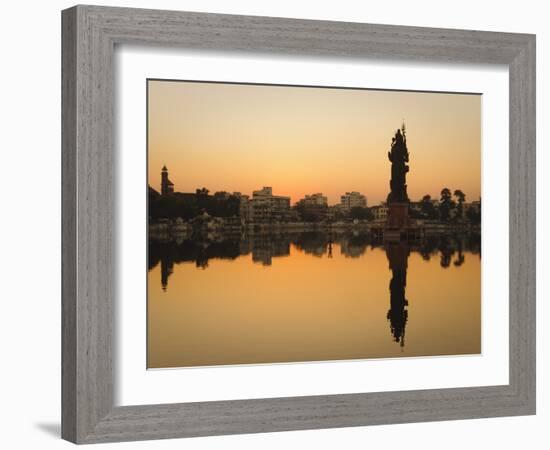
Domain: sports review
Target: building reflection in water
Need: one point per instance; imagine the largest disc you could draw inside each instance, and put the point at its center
(361, 265)
(262, 247)
(398, 255)
(265, 247)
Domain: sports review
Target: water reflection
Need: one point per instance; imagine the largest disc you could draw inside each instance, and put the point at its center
(398, 255)
(262, 298)
(264, 248)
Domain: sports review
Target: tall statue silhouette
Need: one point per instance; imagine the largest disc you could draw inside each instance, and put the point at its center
(398, 254)
(398, 200)
(399, 157)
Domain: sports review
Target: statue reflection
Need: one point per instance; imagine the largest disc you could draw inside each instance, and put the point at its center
(398, 254)
(166, 269)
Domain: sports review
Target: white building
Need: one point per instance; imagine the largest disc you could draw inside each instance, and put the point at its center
(352, 200)
(380, 212)
(244, 207)
(266, 207)
(315, 200)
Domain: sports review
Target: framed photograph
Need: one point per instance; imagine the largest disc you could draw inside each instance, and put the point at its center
(278, 224)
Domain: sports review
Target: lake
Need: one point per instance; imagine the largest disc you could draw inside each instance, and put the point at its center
(312, 296)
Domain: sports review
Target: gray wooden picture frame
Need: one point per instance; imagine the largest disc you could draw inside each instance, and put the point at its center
(90, 34)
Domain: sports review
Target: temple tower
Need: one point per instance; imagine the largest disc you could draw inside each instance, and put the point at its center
(166, 186)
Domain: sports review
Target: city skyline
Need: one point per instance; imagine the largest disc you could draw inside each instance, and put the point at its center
(302, 140)
(337, 201)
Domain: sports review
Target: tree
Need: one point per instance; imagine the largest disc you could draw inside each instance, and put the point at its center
(202, 198)
(474, 214)
(446, 204)
(461, 197)
(171, 207)
(311, 213)
(189, 206)
(360, 213)
(428, 208)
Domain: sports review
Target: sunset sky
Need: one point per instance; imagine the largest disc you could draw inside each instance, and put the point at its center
(299, 140)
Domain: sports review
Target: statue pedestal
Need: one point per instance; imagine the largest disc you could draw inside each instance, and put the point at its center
(397, 223)
(398, 216)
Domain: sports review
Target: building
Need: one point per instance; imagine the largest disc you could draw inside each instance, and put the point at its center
(267, 208)
(313, 207)
(166, 186)
(315, 200)
(352, 200)
(245, 209)
(380, 212)
(335, 213)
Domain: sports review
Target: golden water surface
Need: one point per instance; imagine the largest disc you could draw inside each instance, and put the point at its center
(286, 302)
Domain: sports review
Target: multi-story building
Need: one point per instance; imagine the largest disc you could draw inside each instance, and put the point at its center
(352, 200)
(315, 200)
(313, 207)
(244, 207)
(380, 212)
(266, 207)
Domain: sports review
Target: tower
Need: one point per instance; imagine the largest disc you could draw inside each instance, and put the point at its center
(166, 186)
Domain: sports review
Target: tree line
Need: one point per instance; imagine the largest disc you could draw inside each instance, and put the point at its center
(188, 206)
(450, 208)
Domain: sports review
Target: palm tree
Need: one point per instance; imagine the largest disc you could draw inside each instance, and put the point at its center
(445, 204)
(461, 197)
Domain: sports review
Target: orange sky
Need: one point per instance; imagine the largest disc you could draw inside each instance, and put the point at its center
(299, 140)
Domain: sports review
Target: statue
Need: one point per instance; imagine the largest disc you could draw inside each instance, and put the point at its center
(398, 222)
(399, 156)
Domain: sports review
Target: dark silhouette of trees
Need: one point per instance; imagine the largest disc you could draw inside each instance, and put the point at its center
(171, 207)
(311, 213)
(474, 215)
(360, 213)
(460, 197)
(188, 206)
(446, 204)
(201, 198)
(428, 208)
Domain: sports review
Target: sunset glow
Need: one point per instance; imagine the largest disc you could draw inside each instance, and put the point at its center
(300, 140)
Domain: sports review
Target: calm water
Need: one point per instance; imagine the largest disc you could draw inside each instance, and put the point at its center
(311, 297)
